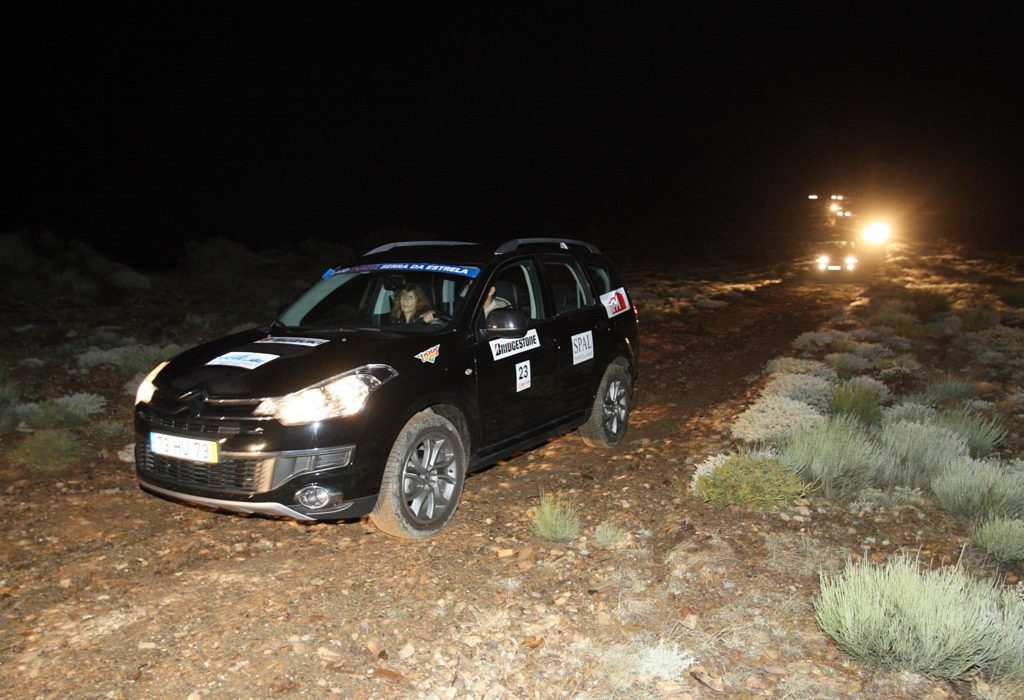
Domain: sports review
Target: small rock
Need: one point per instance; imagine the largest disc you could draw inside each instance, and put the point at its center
(407, 651)
(328, 654)
(147, 645)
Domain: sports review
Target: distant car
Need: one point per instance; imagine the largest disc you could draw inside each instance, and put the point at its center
(839, 257)
(390, 379)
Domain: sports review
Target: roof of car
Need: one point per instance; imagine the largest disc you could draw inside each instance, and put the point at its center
(465, 253)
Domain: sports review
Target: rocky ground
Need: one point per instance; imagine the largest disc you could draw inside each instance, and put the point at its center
(106, 591)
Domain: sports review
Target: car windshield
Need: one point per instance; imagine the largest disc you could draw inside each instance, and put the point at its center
(400, 297)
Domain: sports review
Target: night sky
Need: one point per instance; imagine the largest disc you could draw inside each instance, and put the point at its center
(153, 122)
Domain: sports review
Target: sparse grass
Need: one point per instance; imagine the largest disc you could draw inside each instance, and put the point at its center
(847, 364)
(796, 365)
(63, 412)
(557, 519)
(837, 455)
(945, 390)
(860, 400)
(871, 499)
(130, 359)
(908, 411)
(917, 453)
(607, 535)
(1001, 538)
(51, 450)
(975, 490)
(805, 388)
(759, 482)
(975, 318)
(938, 623)
(1012, 295)
(928, 302)
(771, 418)
(898, 367)
(644, 661)
(983, 434)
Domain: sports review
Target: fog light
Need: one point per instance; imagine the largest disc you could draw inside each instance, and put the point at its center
(316, 497)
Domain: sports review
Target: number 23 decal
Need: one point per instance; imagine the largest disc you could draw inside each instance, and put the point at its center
(522, 376)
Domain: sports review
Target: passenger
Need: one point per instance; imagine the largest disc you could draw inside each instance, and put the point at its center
(492, 302)
(410, 305)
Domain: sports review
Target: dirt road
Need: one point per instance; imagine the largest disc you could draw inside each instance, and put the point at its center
(108, 592)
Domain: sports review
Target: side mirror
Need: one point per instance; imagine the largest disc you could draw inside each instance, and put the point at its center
(505, 323)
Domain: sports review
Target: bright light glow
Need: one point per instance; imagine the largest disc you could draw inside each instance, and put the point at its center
(839, 197)
(339, 396)
(850, 260)
(850, 267)
(144, 394)
(876, 233)
(812, 196)
(834, 197)
(834, 207)
(847, 213)
(823, 260)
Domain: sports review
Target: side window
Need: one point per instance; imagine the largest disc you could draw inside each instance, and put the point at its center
(516, 287)
(568, 288)
(600, 277)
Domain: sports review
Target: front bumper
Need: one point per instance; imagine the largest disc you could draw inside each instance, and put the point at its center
(347, 509)
(261, 466)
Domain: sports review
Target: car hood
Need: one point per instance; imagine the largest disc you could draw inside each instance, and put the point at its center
(257, 364)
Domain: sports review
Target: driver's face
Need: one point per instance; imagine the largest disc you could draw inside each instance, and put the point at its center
(408, 302)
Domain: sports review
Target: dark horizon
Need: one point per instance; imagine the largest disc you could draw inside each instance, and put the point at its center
(156, 122)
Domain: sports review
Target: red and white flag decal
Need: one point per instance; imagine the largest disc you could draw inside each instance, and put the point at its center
(615, 302)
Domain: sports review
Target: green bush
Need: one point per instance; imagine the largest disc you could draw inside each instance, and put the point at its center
(837, 455)
(51, 450)
(862, 401)
(1001, 538)
(975, 490)
(130, 359)
(982, 434)
(796, 365)
(908, 411)
(805, 388)
(847, 364)
(917, 453)
(556, 519)
(898, 367)
(755, 481)
(938, 623)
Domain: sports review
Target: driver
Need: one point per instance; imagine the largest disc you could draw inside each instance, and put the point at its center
(410, 305)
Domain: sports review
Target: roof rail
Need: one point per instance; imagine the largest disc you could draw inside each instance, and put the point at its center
(406, 244)
(563, 244)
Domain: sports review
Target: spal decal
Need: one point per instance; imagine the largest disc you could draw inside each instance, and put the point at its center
(288, 340)
(429, 355)
(245, 360)
(615, 302)
(507, 347)
(582, 347)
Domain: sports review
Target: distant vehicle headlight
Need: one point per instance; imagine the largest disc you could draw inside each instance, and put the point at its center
(823, 260)
(342, 395)
(850, 260)
(876, 233)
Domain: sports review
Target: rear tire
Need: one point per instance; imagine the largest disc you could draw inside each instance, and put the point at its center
(423, 478)
(609, 416)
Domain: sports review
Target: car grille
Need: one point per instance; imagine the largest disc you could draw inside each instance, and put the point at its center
(204, 427)
(239, 475)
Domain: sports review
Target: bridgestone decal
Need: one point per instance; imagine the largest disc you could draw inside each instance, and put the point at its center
(507, 347)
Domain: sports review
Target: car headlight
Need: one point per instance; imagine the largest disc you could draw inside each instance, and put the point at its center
(823, 260)
(850, 260)
(341, 395)
(144, 394)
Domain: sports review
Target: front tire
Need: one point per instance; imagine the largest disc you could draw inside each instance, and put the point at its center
(423, 478)
(609, 416)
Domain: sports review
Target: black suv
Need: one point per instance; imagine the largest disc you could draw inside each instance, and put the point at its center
(381, 386)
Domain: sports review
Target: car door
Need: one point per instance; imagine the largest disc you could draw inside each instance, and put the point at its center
(518, 388)
(579, 325)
